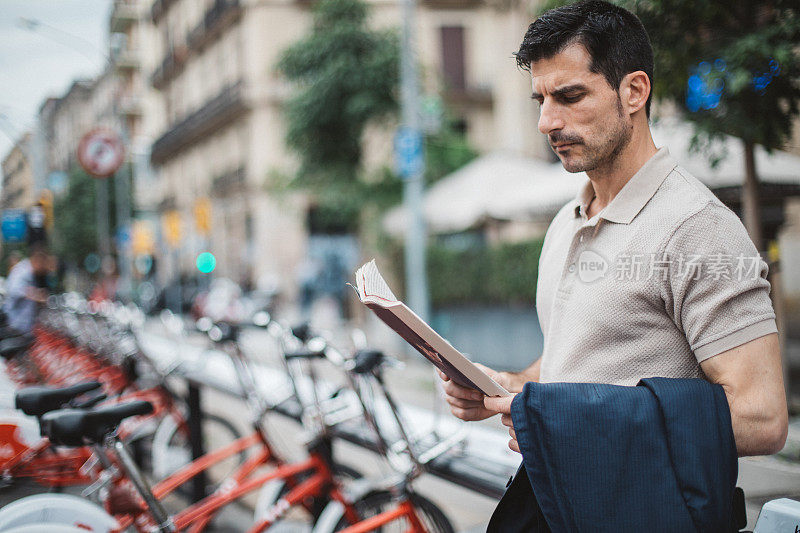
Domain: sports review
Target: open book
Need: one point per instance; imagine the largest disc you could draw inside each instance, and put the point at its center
(375, 293)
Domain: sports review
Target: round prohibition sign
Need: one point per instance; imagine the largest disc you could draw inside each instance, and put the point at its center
(101, 152)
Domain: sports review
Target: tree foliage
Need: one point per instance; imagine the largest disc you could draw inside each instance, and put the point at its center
(732, 67)
(75, 222)
(347, 75)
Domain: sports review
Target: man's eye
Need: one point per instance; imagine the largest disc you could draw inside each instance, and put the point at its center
(572, 98)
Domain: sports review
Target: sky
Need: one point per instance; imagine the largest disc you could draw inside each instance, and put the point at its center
(70, 43)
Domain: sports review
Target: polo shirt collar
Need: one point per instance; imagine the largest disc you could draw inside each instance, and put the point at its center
(635, 194)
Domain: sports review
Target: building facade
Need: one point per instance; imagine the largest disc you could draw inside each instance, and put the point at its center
(18, 186)
(222, 127)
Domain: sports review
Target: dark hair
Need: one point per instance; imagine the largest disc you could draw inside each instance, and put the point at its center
(614, 37)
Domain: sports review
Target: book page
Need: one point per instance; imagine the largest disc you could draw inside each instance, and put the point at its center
(375, 293)
(372, 285)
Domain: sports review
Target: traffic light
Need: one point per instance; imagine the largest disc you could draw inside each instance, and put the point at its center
(202, 215)
(206, 262)
(46, 201)
(142, 239)
(172, 227)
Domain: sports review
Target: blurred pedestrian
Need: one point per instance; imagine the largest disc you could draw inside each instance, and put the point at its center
(26, 289)
(14, 258)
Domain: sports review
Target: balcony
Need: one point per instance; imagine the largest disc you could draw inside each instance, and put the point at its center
(127, 60)
(167, 204)
(171, 66)
(130, 107)
(452, 4)
(229, 183)
(469, 97)
(217, 113)
(216, 20)
(123, 16)
(159, 8)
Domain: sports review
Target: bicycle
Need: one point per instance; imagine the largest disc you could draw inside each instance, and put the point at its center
(389, 501)
(309, 480)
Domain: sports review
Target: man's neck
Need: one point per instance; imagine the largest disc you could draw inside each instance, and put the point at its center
(609, 179)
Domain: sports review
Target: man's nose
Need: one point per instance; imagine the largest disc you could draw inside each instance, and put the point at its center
(549, 119)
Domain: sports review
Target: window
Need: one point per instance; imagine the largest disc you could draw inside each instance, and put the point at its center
(453, 71)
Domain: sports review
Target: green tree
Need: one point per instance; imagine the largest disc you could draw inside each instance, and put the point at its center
(733, 69)
(446, 151)
(75, 226)
(347, 75)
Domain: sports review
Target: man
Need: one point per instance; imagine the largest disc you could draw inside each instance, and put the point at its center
(642, 274)
(14, 258)
(25, 290)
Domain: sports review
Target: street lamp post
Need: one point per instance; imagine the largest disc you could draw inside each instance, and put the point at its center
(416, 278)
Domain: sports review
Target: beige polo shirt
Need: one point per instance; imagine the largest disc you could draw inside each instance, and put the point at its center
(664, 277)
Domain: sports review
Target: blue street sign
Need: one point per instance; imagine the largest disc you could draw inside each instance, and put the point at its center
(57, 181)
(14, 225)
(408, 152)
(123, 237)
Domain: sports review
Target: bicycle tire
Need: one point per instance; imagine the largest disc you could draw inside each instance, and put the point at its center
(432, 517)
(171, 450)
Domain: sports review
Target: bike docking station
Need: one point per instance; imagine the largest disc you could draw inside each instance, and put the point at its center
(481, 463)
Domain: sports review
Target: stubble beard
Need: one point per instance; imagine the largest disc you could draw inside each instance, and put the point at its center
(604, 153)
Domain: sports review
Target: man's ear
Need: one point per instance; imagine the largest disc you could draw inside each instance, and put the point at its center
(634, 90)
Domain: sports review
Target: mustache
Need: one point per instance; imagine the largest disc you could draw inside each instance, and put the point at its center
(564, 138)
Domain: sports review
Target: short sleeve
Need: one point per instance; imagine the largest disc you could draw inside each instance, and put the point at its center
(717, 291)
(15, 284)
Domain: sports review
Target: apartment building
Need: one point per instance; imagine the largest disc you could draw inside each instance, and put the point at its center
(222, 128)
(137, 105)
(18, 186)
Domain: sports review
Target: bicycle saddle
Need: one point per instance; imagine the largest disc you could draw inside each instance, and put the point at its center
(224, 332)
(304, 353)
(12, 346)
(7, 332)
(367, 360)
(302, 331)
(36, 401)
(75, 427)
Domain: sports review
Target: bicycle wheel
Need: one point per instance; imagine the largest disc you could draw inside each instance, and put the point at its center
(171, 449)
(274, 490)
(433, 518)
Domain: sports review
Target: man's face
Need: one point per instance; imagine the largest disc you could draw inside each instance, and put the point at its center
(581, 114)
(40, 264)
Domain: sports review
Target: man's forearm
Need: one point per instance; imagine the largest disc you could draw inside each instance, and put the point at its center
(759, 427)
(752, 378)
(516, 380)
(532, 372)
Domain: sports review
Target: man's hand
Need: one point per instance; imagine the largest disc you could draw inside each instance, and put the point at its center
(36, 295)
(467, 404)
(502, 405)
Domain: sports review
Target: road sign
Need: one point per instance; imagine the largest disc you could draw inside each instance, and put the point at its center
(123, 237)
(101, 152)
(57, 181)
(408, 152)
(14, 225)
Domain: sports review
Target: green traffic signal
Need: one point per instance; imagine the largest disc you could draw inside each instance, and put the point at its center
(206, 262)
